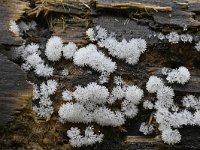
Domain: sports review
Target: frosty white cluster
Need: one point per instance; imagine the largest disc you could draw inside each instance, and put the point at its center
(92, 92)
(54, 48)
(197, 46)
(14, 28)
(146, 128)
(89, 56)
(105, 117)
(90, 138)
(69, 50)
(90, 105)
(171, 136)
(154, 84)
(32, 60)
(45, 108)
(190, 101)
(67, 95)
(168, 115)
(130, 51)
(148, 104)
(27, 26)
(180, 75)
(174, 37)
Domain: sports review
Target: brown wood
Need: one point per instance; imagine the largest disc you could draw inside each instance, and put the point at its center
(15, 91)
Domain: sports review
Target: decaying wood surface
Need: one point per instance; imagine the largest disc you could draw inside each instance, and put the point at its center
(128, 19)
(15, 91)
(10, 10)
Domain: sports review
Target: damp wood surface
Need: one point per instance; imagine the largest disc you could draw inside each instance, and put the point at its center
(15, 91)
(128, 19)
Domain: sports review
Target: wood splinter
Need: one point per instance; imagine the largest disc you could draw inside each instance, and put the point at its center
(134, 5)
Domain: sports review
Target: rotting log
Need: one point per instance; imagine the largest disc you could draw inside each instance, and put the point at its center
(10, 10)
(15, 91)
(131, 22)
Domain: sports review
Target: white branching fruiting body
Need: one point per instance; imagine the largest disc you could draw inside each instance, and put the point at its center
(148, 104)
(170, 136)
(173, 37)
(90, 138)
(146, 129)
(154, 84)
(134, 94)
(180, 75)
(92, 92)
(197, 46)
(130, 51)
(14, 28)
(69, 50)
(106, 117)
(89, 56)
(67, 95)
(54, 48)
(74, 113)
(45, 108)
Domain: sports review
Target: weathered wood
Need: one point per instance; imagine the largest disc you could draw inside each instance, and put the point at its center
(15, 91)
(10, 10)
(142, 139)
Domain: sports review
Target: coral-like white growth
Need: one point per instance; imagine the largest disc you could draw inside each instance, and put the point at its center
(180, 75)
(146, 129)
(90, 138)
(161, 36)
(165, 70)
(154, 84)
(148, 104)
(43, 70)
(45, 108)
(118, 80)
(130, 51)
(23, 26)
(117, 93)
(74, 113)
(104, 77)
(91, 34)
(16, 52)
(106, 117)
(26, 66)
(89, 56)
(173, 37)
(14, 28)
(34, 59)
(190, 101)
(27, 26)
(67, 95)
(36, 92)
(197, 117)
(165, 94)
(48, 88)
(54, 48)
(92, 92)
(134, 94)
(69, 50)
(30, 49)
(197, 46)
(65, 72)
(170, 136)
(129, 109)
(186, 38)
